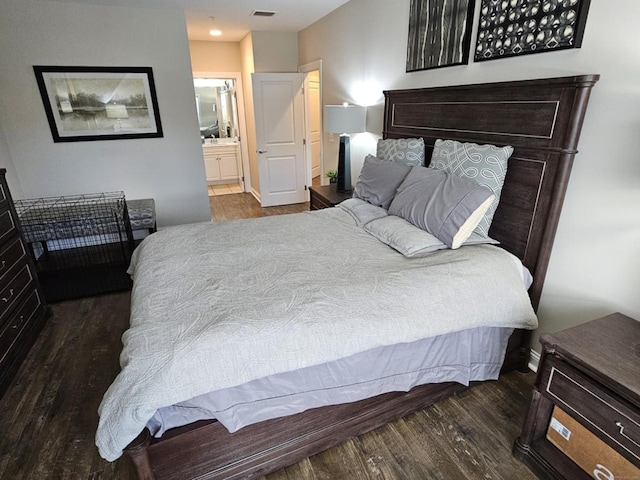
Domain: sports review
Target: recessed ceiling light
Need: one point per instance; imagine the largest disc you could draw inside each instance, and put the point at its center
(215, 33)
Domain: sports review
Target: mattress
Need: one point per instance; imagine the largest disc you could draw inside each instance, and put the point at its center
(463, 357)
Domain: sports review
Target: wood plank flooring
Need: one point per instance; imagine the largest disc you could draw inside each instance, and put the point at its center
(244, 205)
(48, 416)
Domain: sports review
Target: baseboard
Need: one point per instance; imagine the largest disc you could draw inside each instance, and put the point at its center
(534, 360)
(256, 194)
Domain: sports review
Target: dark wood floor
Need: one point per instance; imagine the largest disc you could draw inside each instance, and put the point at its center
(244, 205)
(48, 416)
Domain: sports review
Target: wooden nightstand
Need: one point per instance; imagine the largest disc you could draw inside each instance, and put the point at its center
(592, 373)
(326, 196)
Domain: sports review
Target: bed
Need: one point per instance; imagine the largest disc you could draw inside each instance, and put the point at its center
(541, 119)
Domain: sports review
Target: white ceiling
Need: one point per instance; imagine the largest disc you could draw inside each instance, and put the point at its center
(233, 17)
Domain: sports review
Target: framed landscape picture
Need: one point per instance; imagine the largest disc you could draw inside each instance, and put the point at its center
(439, 33)
(519, 27)
(99, 103)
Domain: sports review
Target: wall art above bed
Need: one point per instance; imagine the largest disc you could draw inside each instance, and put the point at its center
(439, 33)
(99, 103)
(516, 27)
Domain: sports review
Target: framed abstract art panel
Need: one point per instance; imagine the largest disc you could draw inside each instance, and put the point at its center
(439, 33)
(508, 28)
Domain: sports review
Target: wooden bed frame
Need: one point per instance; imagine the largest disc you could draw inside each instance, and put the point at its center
(542, 120)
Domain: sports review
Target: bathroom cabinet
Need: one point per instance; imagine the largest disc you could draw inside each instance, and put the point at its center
(221, 162)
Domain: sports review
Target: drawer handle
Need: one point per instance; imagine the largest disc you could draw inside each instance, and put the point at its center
(18, 324)
(7, 298)
(621, 432)
(4, 263)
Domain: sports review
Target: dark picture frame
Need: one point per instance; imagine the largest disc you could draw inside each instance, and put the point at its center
(439, 33)
(99, 103)
(521, 27)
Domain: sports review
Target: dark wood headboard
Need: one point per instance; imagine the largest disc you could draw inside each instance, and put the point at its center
(541, 119)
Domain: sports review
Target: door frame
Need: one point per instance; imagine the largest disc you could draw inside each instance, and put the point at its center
(306, 68)
(242, 123)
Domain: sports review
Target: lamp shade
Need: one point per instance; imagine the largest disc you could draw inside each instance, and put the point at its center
(345, 118)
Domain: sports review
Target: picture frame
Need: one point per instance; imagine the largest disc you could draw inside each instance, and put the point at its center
(99, 103)
(521, 27)
(439, 33)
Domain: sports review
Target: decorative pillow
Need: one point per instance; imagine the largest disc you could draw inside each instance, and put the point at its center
(486, 165)
(379, 181)
(408, 151)
(446, 206)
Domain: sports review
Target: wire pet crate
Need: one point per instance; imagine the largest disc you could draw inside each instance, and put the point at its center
(81, 244)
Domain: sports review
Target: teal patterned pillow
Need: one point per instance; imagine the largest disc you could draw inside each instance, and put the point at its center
(486, 165)
(409, 151)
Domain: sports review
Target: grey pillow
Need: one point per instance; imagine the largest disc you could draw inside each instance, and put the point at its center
(410, 240)
(408, 151)
(446, 206)
(379, 181)
(400, 235)
(485, 165)
(361, 211)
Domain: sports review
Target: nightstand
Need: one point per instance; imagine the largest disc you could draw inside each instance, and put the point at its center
(584, 418)
(326, 196)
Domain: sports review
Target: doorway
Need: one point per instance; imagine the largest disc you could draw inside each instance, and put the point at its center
(220, 112)
(313, 122)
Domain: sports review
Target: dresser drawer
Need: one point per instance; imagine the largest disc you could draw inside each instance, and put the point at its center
(9, 256)
(615, 421)
(7, 225)
(10, 294)
(12, 329)
(3, 195)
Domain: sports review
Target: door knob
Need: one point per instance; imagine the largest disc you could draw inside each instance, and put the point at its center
(262, 151)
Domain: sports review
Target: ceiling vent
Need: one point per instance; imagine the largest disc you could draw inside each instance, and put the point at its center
(263, 13)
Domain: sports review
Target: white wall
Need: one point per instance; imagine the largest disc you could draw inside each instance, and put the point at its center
(6, 161)
(169, 169)
(596, 258)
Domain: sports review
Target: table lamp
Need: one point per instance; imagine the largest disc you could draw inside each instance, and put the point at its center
(344, 119)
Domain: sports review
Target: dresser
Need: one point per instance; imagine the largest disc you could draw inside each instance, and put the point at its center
(325, 196)
(584, 418)
(22, 307)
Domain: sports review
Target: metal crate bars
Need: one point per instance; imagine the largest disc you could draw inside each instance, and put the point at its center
(81, 244)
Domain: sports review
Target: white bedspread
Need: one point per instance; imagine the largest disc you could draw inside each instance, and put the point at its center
(218, 305)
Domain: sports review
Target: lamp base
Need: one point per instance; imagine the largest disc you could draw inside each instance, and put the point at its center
(343, 184)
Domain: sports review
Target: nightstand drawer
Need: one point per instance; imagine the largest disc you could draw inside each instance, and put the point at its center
(318, 203)
(326, 196)
(594, 406)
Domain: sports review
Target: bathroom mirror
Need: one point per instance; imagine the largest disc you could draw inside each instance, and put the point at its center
(216, 106)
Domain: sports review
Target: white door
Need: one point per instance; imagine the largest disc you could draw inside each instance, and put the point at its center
(279, 114)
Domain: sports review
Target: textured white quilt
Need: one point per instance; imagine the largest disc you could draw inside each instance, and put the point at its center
(218, 305)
